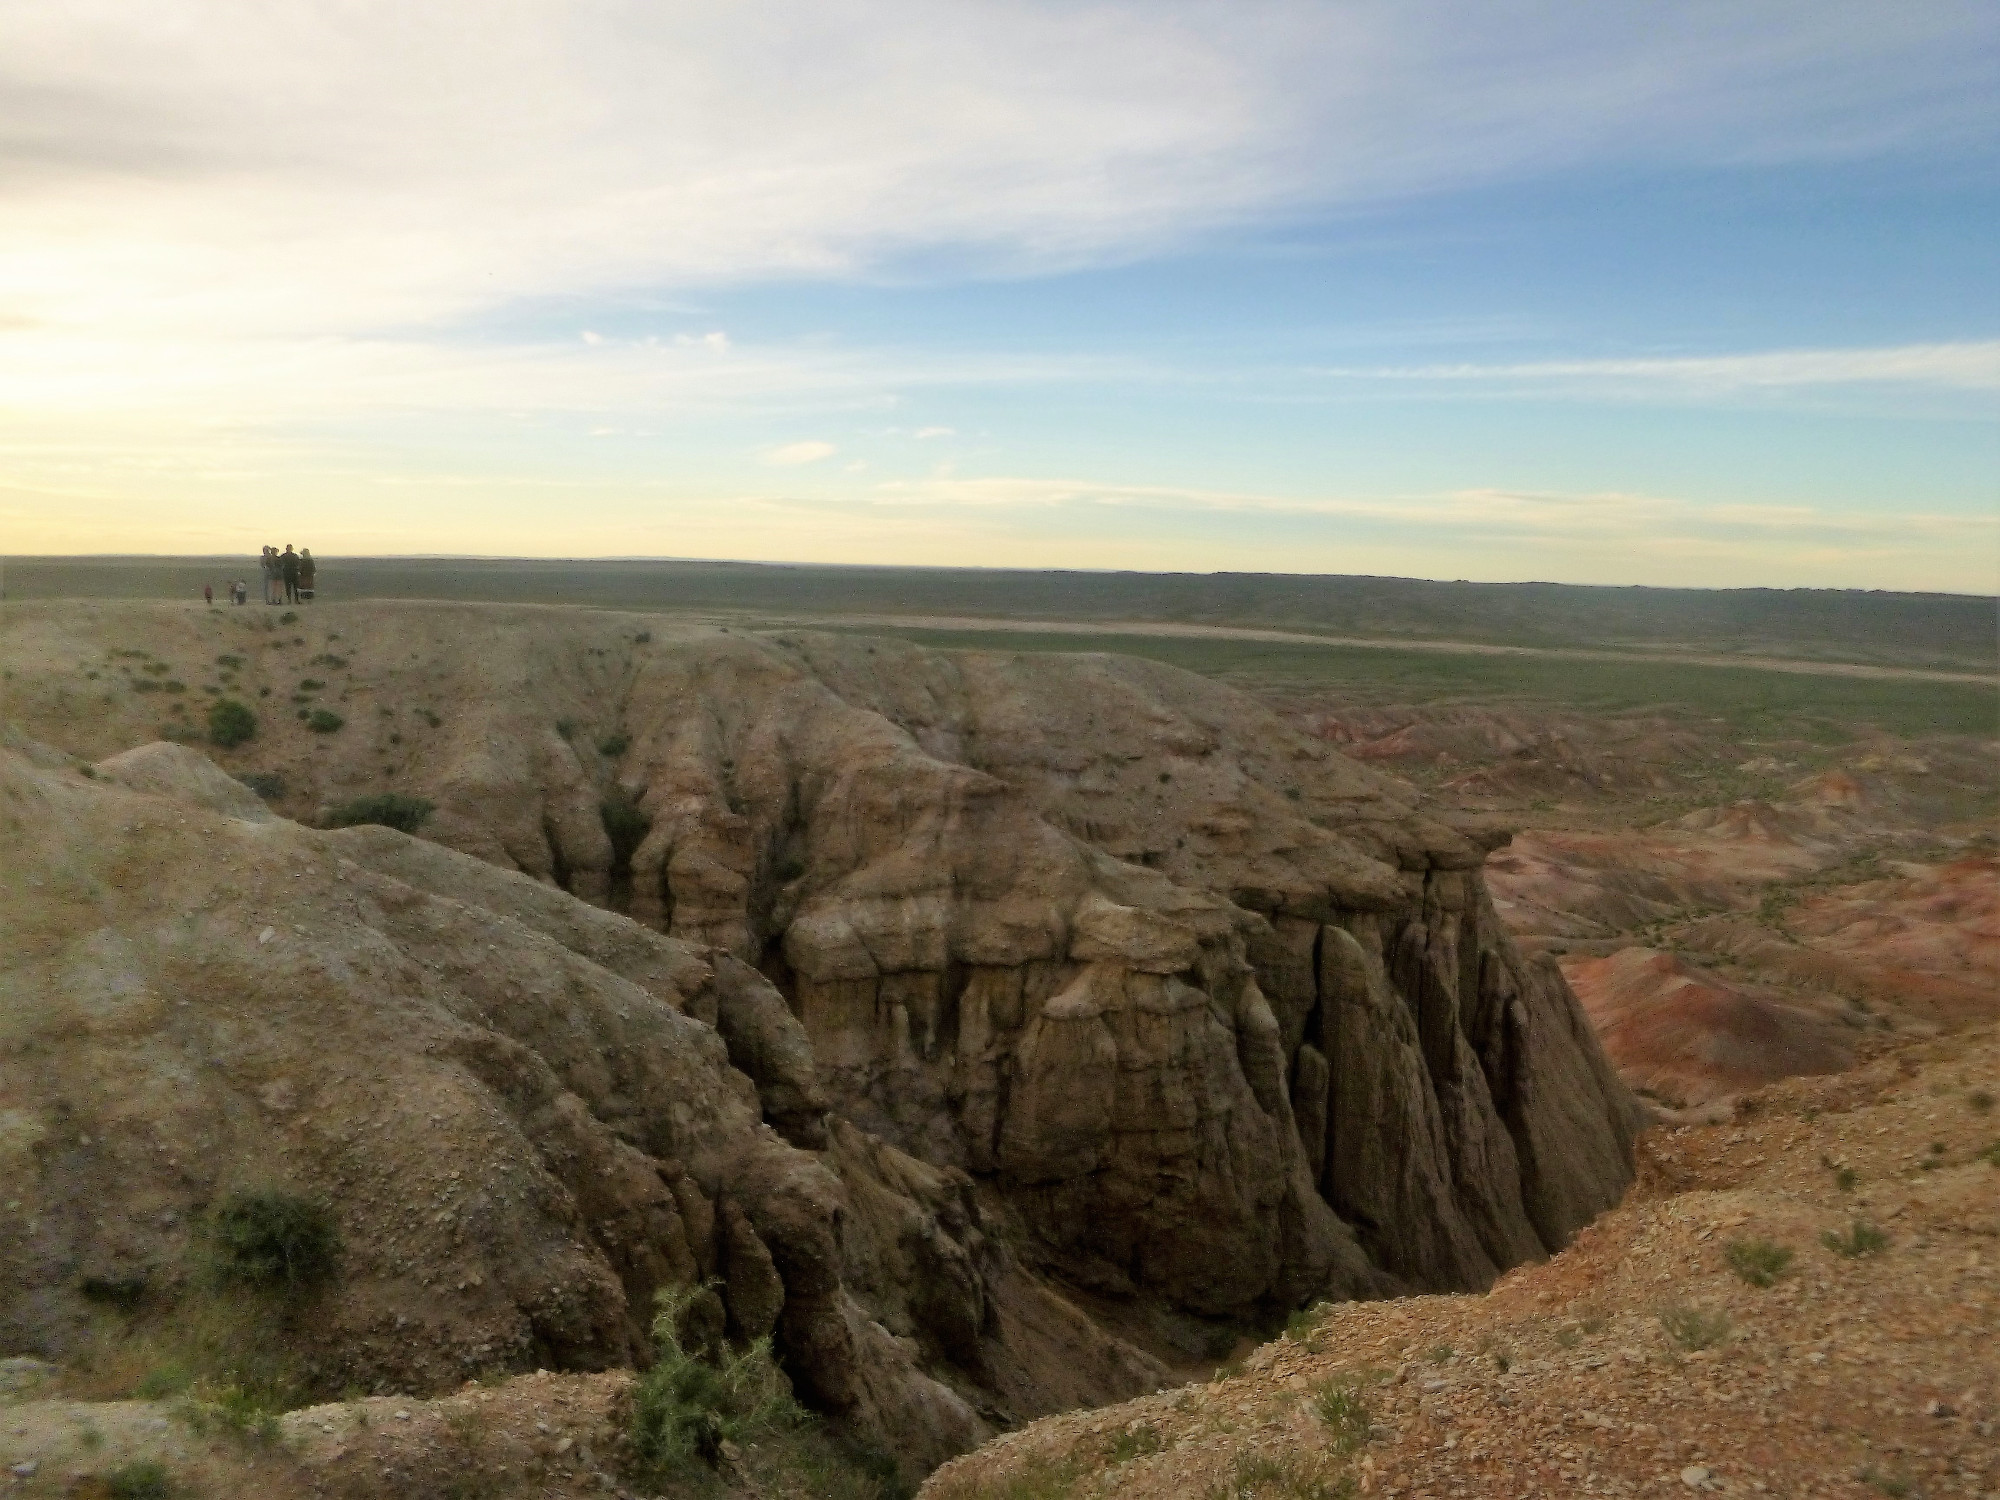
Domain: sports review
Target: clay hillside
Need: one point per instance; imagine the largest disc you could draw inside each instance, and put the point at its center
(993, 1033)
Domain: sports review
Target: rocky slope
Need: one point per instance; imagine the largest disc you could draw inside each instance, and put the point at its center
(521, 1109)
(942, 970)
(1641, 1361)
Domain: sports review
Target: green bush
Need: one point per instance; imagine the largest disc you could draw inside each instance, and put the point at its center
(614, 745)
(269, 1238)
(625, 824)
(395, 810)
(230, 723)
(142, 1479)
(267, 784)
(323, 721)
(701, 1394)
(1862, 1238)
(1758, 1262)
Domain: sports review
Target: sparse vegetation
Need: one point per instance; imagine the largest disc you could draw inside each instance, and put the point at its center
(1759, 1262)
(142, 1479)
(1695, 1328)
(289, 617)
(1979, 1101)
(1990, 1155)
(614, 745)
(1302, 1322)
(1861, 1238)
(1259, 1476)
(232, 1409)
(405, 814)
(701, 1393)
(272, 1239)
(323, 721)
(310, 684)
(1136, 1441)
(1344, 1409)
(267, 784)
(231, 723)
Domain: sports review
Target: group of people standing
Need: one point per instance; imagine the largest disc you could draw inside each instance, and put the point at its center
(289, 577)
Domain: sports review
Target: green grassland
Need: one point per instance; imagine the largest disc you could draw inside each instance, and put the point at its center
(1753, 703)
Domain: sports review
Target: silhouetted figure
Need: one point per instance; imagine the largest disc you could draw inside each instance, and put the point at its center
(208, 595)
(308, 572)
(288, 569)
(269, 564)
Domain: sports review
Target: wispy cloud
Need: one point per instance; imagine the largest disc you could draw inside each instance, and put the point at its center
(793, 454)
(224, 164)
(1967, 366)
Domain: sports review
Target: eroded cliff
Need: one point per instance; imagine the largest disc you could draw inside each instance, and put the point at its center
(1077, 967)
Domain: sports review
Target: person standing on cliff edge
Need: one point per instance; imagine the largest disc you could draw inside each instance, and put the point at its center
(288, 569)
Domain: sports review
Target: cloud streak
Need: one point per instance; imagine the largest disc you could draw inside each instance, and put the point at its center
(1972, 365)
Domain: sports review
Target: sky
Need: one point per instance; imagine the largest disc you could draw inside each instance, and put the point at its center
(1676, 293)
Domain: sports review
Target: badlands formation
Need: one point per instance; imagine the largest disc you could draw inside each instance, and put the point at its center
(999, 1033)
(1817, 902)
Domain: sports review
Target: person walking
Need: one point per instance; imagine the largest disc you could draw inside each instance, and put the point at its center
(208, 595)
(308, 573)
(288, 570)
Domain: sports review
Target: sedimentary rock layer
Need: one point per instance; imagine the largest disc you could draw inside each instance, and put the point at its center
(1216, 1019)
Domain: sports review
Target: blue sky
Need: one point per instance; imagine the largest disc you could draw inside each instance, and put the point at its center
(1690, 294)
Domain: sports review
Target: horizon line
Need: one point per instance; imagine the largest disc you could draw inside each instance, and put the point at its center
(730, 562)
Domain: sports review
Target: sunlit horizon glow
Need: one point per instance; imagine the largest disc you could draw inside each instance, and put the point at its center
(1526, 290)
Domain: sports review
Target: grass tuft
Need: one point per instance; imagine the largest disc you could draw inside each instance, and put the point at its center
(1136, 1441)
(323, 721)
(1861, 1238)
(1694, 1327)
(1758, 1262)
(1344, 1409)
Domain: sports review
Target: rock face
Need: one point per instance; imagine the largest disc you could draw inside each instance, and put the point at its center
(1214, 1019)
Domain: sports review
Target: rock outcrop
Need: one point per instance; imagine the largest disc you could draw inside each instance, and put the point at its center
(1082, 954)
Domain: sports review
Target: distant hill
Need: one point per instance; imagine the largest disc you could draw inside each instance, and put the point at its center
(1927, 630)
